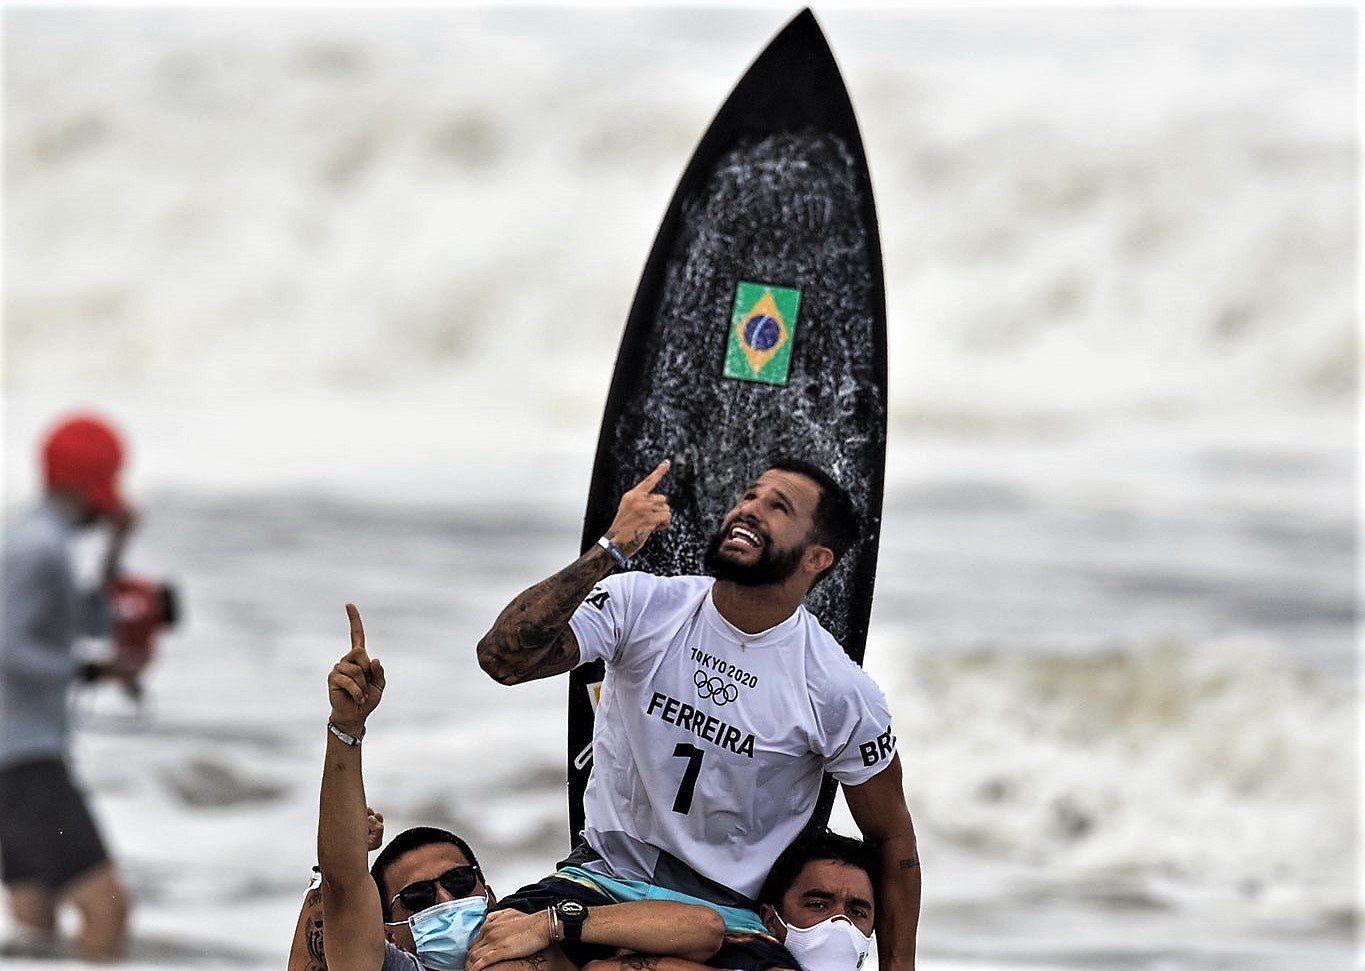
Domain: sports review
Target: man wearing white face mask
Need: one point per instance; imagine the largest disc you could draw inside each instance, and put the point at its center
(819, 901)
(425, 903)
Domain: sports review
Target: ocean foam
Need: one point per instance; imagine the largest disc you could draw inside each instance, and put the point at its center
(1214, 770)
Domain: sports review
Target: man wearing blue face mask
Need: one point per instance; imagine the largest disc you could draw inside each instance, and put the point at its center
(424, 904)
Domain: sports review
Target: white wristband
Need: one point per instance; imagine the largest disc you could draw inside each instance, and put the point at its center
(351, 740)
(615, 552)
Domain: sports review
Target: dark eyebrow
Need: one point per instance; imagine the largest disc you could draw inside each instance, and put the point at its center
(784, 497)
(818, 894)
(860, 902)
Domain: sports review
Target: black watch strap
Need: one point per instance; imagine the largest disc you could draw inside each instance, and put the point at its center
(572, 915)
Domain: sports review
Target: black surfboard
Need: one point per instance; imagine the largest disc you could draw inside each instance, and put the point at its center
(758, 330)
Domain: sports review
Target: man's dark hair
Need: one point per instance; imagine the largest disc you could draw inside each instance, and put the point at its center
(836, 520)
(821, 845)
(404, 842)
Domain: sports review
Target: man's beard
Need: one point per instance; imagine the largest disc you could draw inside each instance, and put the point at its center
(771, 567)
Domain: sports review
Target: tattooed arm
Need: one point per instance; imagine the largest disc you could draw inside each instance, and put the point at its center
(646, 962)
(531, 638)
(878, 807)
(305, 953)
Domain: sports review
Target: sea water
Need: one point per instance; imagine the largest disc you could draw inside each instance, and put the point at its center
(352, 282)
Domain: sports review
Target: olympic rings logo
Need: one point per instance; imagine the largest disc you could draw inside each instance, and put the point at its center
(721, 692)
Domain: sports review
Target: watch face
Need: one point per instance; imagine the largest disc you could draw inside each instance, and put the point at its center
(572, 910)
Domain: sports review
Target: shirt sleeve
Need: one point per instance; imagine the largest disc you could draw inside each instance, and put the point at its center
(37, 588)
(601, 620)
(397, 959)
(856, 737)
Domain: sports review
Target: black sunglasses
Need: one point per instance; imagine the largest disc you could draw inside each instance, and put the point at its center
(458, 881)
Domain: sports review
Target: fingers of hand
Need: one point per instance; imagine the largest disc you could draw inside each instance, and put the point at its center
(357, 628)
(648, 483)
(641, 514)
(346, 684)
(350, 678)
(497, 926)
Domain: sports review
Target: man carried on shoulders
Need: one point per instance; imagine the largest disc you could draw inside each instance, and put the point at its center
(723, 703)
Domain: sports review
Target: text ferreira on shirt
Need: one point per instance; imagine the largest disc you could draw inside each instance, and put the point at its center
(727, 736)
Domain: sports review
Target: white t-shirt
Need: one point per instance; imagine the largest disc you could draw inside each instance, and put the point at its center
(709, 743)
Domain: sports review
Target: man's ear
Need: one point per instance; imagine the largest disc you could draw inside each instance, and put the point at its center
(818, 558)
(492, 897)
(771, 921)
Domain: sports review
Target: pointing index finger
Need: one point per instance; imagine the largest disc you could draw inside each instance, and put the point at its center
(357, 628)
(648, 483)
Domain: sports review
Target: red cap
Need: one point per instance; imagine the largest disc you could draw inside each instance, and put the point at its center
(84, 454)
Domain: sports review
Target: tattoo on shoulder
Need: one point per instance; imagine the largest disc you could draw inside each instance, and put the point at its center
(639, 962)
(909, 864)
(537, 961)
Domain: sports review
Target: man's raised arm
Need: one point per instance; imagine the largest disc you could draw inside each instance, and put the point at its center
(531, 638)
(352, 911)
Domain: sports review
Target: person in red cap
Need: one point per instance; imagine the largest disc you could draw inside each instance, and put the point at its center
(51, 852)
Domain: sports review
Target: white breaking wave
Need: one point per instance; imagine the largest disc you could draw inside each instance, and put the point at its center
(1189, 769)
(1079, 212)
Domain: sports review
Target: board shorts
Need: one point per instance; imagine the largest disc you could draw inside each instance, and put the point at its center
(747, 946)
(47, 835)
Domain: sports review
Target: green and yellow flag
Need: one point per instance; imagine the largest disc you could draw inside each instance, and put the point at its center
(762, 328)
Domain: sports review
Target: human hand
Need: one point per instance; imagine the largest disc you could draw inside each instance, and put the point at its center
(374, 832)
(507, 935)
(122, 521)
(356, 683)
(641, 513)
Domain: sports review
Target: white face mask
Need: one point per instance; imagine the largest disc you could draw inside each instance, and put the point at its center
(833, 944)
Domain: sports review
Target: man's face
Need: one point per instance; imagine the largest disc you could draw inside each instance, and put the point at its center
(825, 889)
(424, 863)
(763, 538)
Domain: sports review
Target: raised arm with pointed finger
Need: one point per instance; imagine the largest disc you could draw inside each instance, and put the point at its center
(351, 907)
(531, 638)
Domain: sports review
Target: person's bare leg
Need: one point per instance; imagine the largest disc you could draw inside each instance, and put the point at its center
(103, 903)
(34, 909)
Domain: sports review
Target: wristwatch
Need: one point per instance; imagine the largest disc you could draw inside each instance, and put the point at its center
(572, 915)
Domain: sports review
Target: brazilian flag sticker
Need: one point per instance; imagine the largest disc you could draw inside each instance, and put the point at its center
(762, 328)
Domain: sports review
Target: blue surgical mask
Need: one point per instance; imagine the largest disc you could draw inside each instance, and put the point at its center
(444, 932)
